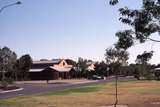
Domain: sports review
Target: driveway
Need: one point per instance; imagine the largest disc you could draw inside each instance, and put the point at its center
(32, 88)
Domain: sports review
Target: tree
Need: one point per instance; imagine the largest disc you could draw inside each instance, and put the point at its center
(71, 62)
(142, 62)
(143, 22)
(101, 69)
(82, 65)
(116, 57)
(144, 57)
(24, 64)
(7, 61)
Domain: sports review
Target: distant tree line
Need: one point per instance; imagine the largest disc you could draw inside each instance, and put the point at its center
(15, 68)
(117, 63)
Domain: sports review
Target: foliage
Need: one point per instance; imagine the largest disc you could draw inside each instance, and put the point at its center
(82, 65)
(7, 81)
(113, 2)
(126, 70)
(70, 62)
(144, 58)
(143, 22)
(24, 64)
(4, 83)
(11, 67)
(144, 70)
(7, 60)
(116, 56)
(102, 69)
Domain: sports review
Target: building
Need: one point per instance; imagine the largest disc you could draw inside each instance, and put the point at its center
(51, 70)
(90, 66)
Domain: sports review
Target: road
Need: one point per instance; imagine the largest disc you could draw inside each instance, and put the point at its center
(30, 89)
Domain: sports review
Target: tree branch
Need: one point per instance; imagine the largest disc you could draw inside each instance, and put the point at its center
(153, 40)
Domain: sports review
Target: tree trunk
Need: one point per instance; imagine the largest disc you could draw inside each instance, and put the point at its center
(3, 73)
(116, 94)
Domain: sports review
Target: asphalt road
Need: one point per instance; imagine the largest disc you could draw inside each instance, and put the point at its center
(30, 89)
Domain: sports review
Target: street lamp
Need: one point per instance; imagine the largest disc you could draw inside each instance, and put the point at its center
(1, 9)
(16, 3)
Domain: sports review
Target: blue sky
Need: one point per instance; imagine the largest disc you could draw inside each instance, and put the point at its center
(65, 29)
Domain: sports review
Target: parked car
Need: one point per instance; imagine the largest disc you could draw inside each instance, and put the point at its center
(96, 77)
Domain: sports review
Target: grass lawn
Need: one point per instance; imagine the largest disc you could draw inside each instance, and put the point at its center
(132, 93)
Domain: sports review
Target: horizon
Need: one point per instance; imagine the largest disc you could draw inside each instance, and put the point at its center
(66, 29)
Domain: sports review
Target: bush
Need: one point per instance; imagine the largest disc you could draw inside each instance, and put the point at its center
(6, 82)
(10, 81)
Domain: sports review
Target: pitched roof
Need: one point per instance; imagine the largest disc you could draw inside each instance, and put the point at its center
(39, 66)
(54, 61)
(61, 69)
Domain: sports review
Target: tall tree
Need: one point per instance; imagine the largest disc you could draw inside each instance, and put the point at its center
(116, 57)
(7, 60)
(143, 22)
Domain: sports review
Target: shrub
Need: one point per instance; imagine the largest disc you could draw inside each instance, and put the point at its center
(4, 83)
(7, 81)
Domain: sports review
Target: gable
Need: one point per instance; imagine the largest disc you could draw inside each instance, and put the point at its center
(63, 63)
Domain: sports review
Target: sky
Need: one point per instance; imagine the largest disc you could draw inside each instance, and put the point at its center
(48, 29)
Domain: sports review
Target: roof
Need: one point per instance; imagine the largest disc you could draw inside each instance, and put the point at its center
(61, 69)
(89, 63)
(91, 67)
(39, 66)
(157, 69)
(54, 61)
(36, 70)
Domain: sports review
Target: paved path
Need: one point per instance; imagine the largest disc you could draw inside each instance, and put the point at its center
(30, 89)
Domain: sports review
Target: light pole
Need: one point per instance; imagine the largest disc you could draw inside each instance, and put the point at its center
(16, 3)
(1, 9)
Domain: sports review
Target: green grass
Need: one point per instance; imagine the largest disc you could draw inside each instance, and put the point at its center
(85, 89)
